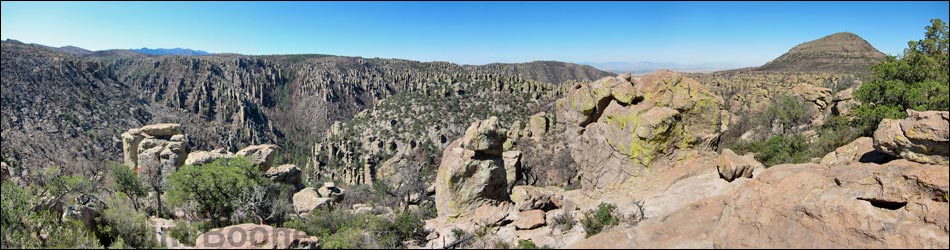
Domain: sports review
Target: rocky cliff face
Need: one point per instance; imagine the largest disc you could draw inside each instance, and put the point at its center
(67, 109)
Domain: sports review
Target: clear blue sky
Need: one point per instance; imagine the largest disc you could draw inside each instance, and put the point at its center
(746, 33)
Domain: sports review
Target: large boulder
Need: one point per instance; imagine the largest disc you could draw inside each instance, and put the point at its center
(287, 173)
(732, 166)
(921, 137)
(245, 236)
(307, 199)
(472, 172)
(205, 157)
(261, 156)
(859, 150)
(531, 198)
(538, 125)
(162, 130)
(530, 219)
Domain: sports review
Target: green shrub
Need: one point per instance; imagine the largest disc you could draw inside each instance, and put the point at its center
(188, 232)
(345, 230)
(787, 111)
(528, 244)
(597, 220)
(122, 222)
(564, 221)
(25, 216)
(776, 149)
(916, 80)
(214, 187)
(349, 238)
(128, 183)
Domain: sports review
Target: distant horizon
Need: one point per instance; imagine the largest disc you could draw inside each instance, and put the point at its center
(473, 33)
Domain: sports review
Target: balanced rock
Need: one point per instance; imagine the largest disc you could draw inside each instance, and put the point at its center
(472, 172)
(485, 137)
(921, 137)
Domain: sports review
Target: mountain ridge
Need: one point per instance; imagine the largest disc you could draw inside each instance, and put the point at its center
(838, 52)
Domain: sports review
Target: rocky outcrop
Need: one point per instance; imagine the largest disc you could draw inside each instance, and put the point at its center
(513, 171)
(619, 126)
(261, 156)
(844, 102)
(732, 166)
(531, 198)
(472, 172)
(154, 148)
(244, 236)
(288, 174)
(307, 199)
(921, 137)
(819, 96)
(205, 157)
(538, 125)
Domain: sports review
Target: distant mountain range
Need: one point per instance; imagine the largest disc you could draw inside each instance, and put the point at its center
(643, 67)
(175, 51)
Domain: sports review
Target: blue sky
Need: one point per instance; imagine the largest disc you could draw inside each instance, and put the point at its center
(741, 33)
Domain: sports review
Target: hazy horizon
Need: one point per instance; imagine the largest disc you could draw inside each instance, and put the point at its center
(689, 34)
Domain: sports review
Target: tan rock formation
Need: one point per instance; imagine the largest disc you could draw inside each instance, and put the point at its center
(921, 137)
